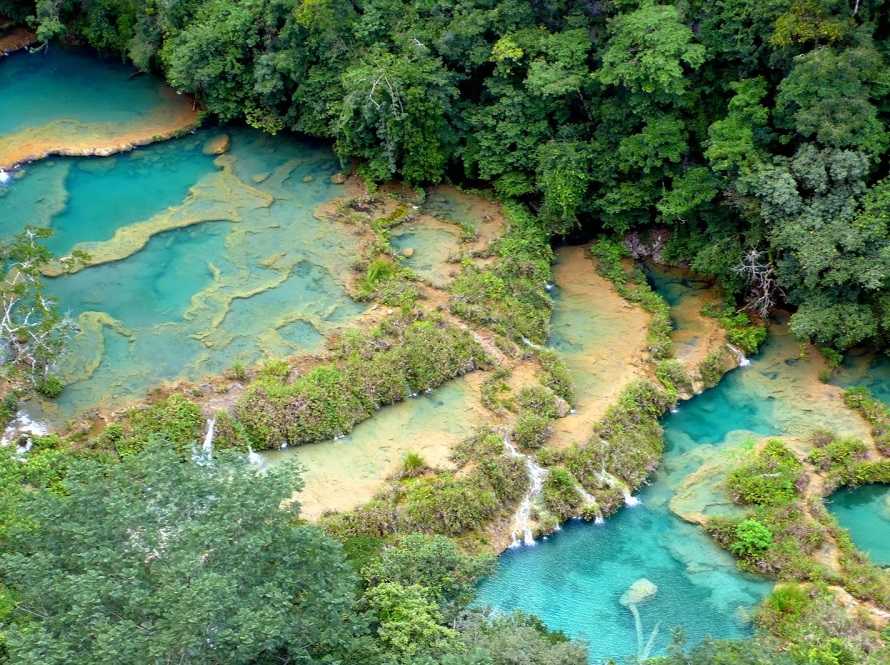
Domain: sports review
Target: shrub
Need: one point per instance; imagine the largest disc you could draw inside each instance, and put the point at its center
(401, 356)
(413, 465)
(509, 296)
(712, 368)
(741, 330)
(769, 479)
(673, 376)
(556, 376)
(50, 386)
(752, 538)
(531, 430)
(560, 493)
(875, 412)
(538, 400)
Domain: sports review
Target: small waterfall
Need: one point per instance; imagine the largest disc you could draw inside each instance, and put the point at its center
(608, 479)
(742, 360)
(529, 343)
(254, 457)
(522, 519)
(21, 451)
(4, 177)
(207, 446)
(22, 425)
(590, 500)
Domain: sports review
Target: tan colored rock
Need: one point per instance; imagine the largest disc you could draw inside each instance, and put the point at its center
(408, 252)
(308, 178)
(217, 145)
(338, 178)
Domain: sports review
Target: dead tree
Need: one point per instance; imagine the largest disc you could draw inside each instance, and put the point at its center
(763, 289)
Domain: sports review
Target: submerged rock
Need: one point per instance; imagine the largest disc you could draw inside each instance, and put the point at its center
(217, 145)
(308, 178)
(408, 252)
(638, 592)
(338, 178)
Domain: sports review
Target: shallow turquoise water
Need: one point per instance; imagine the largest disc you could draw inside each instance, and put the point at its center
(574, 580)
(252, 275)
(66, 83)
(869, 370)
(84, 200)
(865, 513)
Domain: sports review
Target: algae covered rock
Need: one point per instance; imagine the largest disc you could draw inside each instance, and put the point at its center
(308, 178)
(217, 145)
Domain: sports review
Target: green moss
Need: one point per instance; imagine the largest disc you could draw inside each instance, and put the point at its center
(494, 392)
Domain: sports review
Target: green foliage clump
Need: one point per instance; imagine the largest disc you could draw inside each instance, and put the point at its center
(770, 479)
(752, 538)
(531, 430)
(713, 367)
(560, 493)
(741, 331)
(875, 412)
(488, 484)
(50, 386)
(509, 296)
(673, 376)
(838, 457)
(633, 287)
(401, 357)
(556, 375)
(539, 400)
(413, 465)
(174, 419)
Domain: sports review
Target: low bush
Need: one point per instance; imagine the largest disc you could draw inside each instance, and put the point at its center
(770, 479)
(672, 375)
(875, 412)
(633, 287)
(509, 296)
(556, 376)
(531, 430)
(741, 331)
(403, 356)
(560, 493)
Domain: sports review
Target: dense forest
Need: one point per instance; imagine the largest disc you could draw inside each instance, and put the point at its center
(747, 138)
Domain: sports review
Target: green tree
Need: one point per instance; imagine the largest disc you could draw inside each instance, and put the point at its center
(160, 561)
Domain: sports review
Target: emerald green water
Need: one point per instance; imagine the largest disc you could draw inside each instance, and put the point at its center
(72, 85)
(865, 513)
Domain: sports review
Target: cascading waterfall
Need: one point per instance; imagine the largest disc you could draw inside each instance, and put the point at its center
(608, 479)
(742, 359)
(22, 425)
(4, 177)
(590, 500)
(254, 457)
(536, 474)
(207, 446)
